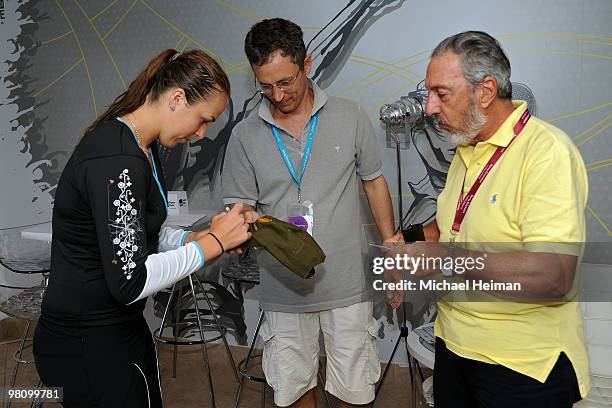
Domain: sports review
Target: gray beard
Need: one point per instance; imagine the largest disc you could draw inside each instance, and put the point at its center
(473, 126)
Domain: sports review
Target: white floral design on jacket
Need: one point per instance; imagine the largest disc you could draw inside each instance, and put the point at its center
(125, 227)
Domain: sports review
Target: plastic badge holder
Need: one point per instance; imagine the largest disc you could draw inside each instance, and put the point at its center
(177, 202)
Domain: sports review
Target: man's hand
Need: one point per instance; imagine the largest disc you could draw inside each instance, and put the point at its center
(394, 297)
(416, 250)
(423, 253)
(250, 215)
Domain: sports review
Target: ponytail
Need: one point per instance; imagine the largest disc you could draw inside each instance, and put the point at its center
(194, 71)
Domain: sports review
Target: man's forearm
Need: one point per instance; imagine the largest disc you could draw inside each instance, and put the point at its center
(379, 199)
(431, 231)
(539, 274)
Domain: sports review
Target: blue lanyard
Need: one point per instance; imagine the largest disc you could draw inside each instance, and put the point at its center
(314, 120)
(161, 190)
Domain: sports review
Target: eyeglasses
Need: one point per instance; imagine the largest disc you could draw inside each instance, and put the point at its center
(281, 85)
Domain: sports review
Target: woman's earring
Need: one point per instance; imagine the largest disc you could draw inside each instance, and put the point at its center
(173, 108)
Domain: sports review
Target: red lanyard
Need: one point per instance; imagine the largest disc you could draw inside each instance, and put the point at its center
(464, 202)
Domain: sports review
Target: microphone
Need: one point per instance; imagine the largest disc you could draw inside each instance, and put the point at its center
(409, 110)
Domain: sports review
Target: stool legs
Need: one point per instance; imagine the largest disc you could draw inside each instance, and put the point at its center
(177, 316)
(35, 402)
(203, 344)
(161, 330)
(244, 373)
(18, 359)
(214, 314)
(193, 283)
(200, 329)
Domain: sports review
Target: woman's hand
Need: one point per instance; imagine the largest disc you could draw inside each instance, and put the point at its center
(250, 216)
(196, 235)
(231, 228)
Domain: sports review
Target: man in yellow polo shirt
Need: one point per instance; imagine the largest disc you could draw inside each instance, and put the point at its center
(516, 192)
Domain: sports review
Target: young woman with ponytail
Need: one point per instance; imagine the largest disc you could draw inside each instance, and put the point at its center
(109, 249)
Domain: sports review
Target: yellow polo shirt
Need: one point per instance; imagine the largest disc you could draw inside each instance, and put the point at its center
(535, 194)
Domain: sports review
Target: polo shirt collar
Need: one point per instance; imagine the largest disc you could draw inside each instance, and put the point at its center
(502, 136)
(320, 99)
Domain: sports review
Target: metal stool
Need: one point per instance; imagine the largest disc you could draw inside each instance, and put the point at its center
(181, 326)
(243, 367)
(246, 271)
(25, 257)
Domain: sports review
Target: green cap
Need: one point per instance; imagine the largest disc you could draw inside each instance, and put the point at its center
(290, 245)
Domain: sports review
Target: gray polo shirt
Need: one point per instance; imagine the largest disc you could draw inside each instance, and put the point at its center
(343, 152)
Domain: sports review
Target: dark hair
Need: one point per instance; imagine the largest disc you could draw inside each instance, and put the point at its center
(197, 73)
(480, 55)
(275, 34)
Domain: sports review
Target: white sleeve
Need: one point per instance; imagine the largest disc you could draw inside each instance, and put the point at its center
(167, 268)
(171, 238)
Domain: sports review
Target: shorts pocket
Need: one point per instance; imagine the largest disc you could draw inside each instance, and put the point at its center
(269, 361)
(373, 362)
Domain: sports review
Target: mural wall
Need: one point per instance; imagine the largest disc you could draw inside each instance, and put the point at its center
(63, 61)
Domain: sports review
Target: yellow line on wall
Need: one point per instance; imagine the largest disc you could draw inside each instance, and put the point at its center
(394, 64)
(256, 17)
(601, 122)
(536, 33)
(411, 82)
(598, 218)
(369, 84)
(354, 84)
(557, 40)
(239, 10)
(191, 39)
(418, 54)
(56, 80)
(594, 135)
(574, 114)
(599, 167)
(416, 62)
(599, 162)
(178, 43)
(185, 44)
(110, 55)
(579, 54)
(604, 56)
(238, 66)
(76, 37)
(59, 37)
(125, 13)
(105, 9)
(382, 64)
(382, 69)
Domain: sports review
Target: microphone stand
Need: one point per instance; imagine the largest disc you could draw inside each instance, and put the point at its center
(403, 334)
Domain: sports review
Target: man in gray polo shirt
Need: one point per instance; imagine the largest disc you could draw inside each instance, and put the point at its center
(304, 154)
